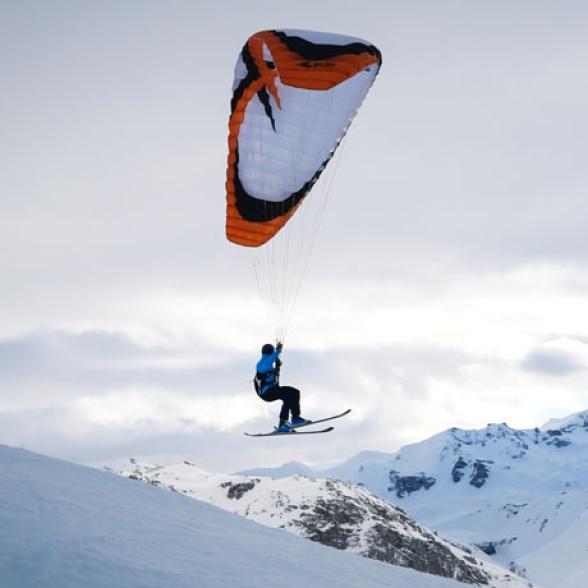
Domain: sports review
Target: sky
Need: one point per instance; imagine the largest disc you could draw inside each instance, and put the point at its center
(448, 282)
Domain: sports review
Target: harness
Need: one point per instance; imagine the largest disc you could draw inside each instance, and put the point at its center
(263, 381)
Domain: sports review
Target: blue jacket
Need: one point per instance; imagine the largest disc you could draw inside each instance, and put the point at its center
(266, 375)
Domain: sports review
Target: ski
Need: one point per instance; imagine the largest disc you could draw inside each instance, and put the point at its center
(317, 421)
(292, 432)
(308, 424)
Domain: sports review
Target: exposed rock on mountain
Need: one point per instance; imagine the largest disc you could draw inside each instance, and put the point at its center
(405, 485)
(457, 471)
(480, 472)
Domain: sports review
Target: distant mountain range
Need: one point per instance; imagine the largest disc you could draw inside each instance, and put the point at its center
(519, 496)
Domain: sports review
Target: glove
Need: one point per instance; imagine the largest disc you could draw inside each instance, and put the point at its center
(279, 346)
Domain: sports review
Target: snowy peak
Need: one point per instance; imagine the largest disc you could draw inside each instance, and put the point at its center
(570, 424)
(497, 437)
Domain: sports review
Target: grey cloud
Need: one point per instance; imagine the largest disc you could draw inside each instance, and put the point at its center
(95, 362)
(557, 363)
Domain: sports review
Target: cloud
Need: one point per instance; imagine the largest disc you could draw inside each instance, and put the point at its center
(558, 356)
(52, 366)
(551, 362)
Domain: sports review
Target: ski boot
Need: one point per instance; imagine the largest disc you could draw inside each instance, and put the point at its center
(284, 427)
(298, 422)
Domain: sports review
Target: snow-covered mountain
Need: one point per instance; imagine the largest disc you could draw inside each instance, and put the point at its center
(521, 496)
(337, 514)
(64, 526)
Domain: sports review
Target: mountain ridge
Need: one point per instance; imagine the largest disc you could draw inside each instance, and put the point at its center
(519, 495)
(337, 514)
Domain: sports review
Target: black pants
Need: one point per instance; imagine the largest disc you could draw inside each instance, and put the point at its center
(289, 396)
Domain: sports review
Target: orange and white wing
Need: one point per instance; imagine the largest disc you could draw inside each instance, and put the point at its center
(295, 94)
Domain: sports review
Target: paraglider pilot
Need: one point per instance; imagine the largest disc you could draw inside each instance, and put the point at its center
(267, 386)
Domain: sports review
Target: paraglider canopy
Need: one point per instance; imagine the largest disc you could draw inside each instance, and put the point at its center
(295, 94)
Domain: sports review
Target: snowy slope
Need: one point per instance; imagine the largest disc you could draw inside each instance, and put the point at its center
(520, 495)
(333, 513)
(69, 526)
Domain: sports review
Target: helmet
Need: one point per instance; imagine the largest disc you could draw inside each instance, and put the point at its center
(267, 349)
